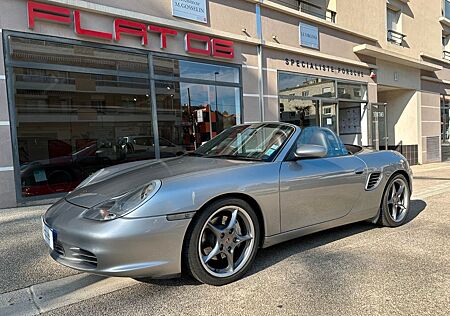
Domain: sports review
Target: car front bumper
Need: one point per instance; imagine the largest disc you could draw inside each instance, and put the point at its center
(138, 247)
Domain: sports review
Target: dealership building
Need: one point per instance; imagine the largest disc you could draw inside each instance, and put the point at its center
(89, 84)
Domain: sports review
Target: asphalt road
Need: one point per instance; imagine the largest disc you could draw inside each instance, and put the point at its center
(352, 270)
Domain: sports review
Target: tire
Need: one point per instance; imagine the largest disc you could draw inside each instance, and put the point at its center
(395, 205)
(211, 243)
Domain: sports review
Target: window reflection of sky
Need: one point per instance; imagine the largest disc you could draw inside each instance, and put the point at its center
(194, 70)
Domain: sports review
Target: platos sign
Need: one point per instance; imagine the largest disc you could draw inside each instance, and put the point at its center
(194, 43)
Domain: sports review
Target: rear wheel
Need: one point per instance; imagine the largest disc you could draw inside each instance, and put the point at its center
(222, 242)
(396, 202)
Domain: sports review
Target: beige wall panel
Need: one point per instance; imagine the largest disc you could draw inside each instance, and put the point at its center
(286, 30)
(402, 120)
(250, 80)
(430, 114)
(4, 109)
(233, 16)
(252, 111)
(249, 55)
(431, 128)
(8, 189)
(276, 60)
(6, 159)
(419, 22)
(407, 77)
(271, 109)
(2, 63)
(270, 82)
(362, 16)
(430, 99)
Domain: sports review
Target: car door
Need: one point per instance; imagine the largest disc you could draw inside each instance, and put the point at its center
(317, 190)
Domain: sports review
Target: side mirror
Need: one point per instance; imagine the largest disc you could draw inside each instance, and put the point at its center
(310, 151)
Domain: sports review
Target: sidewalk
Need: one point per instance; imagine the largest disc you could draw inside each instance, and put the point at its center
(431, 179)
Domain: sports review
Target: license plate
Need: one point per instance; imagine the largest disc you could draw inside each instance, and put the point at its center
(48, 234)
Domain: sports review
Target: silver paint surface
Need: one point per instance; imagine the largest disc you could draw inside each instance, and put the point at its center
(295, 198)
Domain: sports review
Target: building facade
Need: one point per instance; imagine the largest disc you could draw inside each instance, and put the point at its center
(89, 84)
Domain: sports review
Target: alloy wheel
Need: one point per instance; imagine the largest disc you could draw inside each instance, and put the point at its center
(398, 200)
(226, 241)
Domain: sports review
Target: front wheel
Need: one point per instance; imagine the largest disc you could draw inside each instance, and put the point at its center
(222, 242)
(396, 202)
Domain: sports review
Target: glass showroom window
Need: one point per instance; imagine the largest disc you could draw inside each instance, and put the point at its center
(297, 84)
(78, 108)
(195, 101)
(72, 123)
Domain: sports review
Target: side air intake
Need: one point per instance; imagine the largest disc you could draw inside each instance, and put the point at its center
(373, 180)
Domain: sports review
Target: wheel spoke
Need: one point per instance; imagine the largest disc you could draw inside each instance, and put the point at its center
(214, 252)
(216, 230)
(401, 206)
(230, 261)
(241, 239)
(390, 201)
(394, 212)
(233, 220)
(400, 191)
(393, 190)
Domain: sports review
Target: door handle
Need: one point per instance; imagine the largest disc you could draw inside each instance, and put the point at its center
(359, 171)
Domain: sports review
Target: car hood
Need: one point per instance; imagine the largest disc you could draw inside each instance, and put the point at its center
(124, 178)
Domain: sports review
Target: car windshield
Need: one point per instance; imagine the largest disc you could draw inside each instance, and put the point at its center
(260, 142)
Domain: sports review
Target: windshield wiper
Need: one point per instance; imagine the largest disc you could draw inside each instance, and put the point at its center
(234, 157)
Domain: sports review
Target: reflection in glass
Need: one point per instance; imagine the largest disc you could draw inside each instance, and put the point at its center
(352, 91)
(294, 85)
(195, 70)
(299, 112)
(46, 52)
(190, 114)
(329, 118)
(72, 124)
(167, 67)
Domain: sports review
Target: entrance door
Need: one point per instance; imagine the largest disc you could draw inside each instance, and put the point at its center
(379, 126)
(328, 117)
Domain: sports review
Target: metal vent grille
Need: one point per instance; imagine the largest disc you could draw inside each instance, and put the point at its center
(59, 248)
(83, 256)
(433, 148)
(373, 180)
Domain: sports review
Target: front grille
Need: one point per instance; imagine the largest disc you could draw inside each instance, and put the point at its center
(83, 256)
(373, 180)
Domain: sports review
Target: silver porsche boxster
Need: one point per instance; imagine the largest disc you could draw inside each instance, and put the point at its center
(207, 212)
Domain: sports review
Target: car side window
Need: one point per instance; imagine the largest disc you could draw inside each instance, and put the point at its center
(335, 146)
(323, 137)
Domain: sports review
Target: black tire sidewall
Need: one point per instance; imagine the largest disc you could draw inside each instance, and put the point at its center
(386, 219)
(191, 258)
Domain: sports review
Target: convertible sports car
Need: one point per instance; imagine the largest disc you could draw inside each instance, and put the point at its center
(207, 212)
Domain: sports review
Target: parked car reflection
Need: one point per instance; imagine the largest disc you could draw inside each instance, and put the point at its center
(63, 173)
(145, 144)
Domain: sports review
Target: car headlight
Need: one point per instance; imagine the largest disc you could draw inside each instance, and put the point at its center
(89, 179)
(124, 204)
